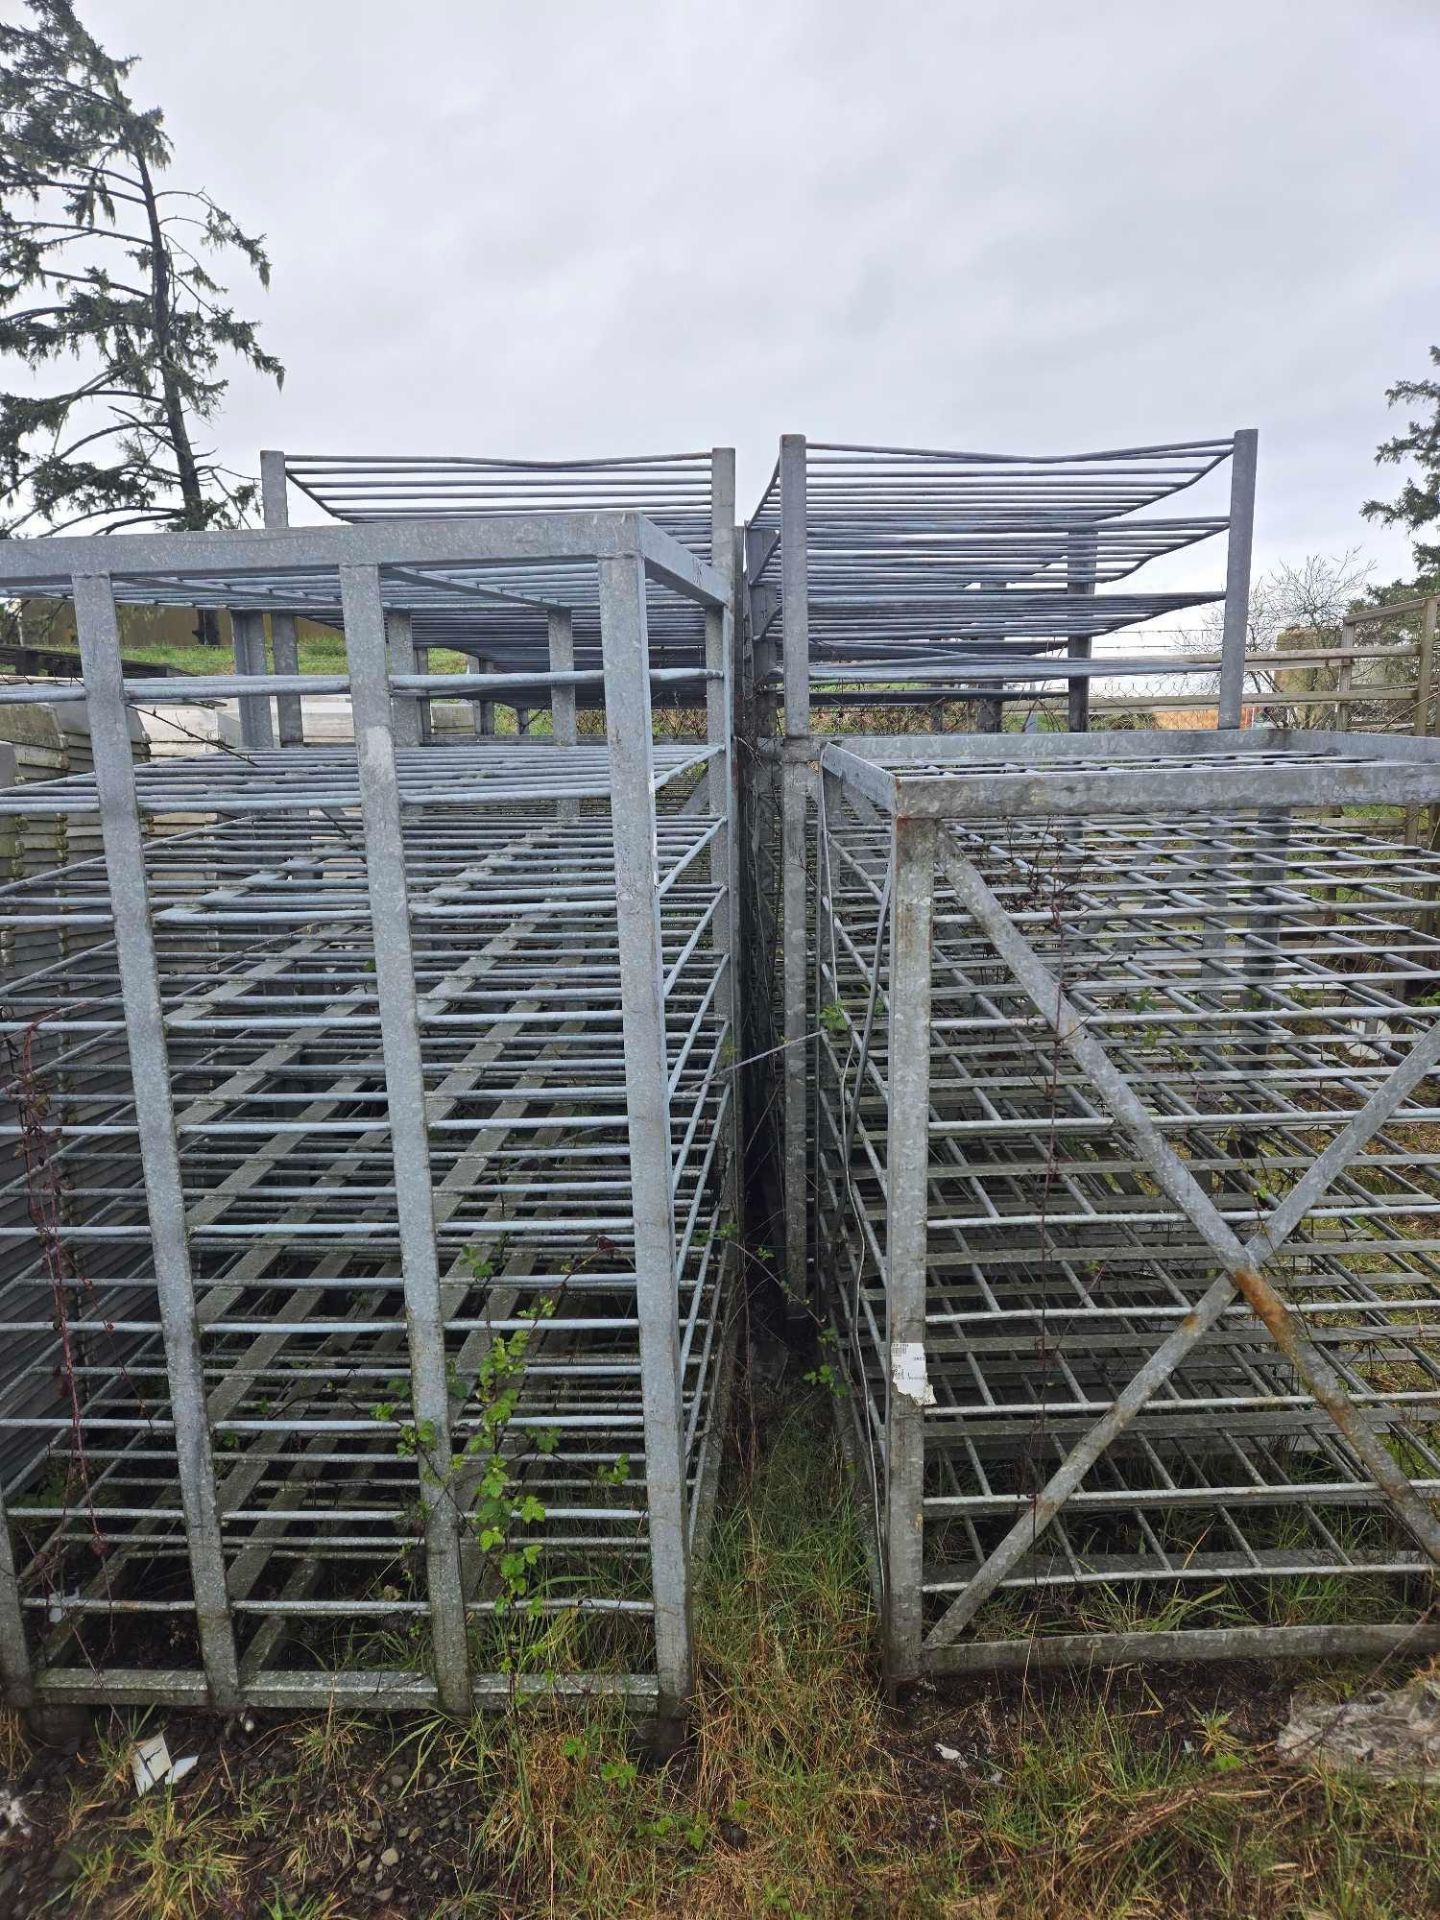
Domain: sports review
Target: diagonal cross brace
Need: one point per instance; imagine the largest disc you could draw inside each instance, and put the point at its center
(1242, 1260)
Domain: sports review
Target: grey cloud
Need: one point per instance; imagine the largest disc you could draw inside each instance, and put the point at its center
(580, 227)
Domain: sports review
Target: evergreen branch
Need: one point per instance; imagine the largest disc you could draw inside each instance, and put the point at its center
(75, 154)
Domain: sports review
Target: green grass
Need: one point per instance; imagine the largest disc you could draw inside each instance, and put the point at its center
(319, 653)
(802, 1794)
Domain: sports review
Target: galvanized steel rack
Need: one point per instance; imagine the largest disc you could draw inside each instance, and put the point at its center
(1126, 1190)
(372, 1152)
(873, 571)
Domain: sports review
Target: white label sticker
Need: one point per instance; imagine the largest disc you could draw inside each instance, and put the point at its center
(907, 1372)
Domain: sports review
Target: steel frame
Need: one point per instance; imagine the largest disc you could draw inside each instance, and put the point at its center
(1125, 1168)
(339, 1069)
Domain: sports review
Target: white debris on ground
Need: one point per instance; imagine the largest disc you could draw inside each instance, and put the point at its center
(13, 1819)
(975, 1761)
(1391, 1736)
(151, 1765)
(1375, 1039)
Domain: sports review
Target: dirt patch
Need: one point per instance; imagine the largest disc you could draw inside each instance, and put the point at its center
(350, 1819)
(301, 1819)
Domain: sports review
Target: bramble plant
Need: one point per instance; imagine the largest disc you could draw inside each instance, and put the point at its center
(488, 1460)
(828, 1376)
(496, 1509)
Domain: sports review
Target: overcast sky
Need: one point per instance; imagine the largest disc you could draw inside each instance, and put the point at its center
(582, 227)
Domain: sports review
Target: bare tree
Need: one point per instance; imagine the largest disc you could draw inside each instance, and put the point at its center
(1301, 608)
(1309, 599)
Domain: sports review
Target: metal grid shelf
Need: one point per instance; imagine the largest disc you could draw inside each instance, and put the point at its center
(253, 781)
(933, 575)
(1008, 1252)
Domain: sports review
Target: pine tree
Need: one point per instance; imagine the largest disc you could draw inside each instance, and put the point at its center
(106, 301)
(1417, 506)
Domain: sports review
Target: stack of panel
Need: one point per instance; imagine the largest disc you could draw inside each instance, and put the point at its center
(918, 575)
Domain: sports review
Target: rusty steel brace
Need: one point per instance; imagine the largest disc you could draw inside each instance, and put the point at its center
(1242, 1261)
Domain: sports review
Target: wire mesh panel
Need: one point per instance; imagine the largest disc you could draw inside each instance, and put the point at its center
(894, 577)
(1256, 981)
(267, 970)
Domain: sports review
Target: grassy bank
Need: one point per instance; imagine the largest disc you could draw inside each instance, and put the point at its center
(803, 1794)
(322, 652)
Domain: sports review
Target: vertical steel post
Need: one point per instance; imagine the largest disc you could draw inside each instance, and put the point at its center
(365, 641)
(1426, 676)
(17, 1678)
(275, 511)
(720, 700)
(1424, 690)
(794, 796)
(795, 586)
(1080, 578)
(123, 839)
(560, 626)
(256, 731)
(1423, 701)
(1237, 577)
(400, 652)
(626, 654)
(561, 630)
(1340, 713)
(753, 806)
(990, 714)
(720, 734)
(423, 707)
(719, 642)
(484, 710)
(907, 1166)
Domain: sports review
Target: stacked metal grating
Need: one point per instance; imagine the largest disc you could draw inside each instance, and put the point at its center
(368, 1224)
(368, 1254)
(930, 575)
(1109, 1149)
(509, 626)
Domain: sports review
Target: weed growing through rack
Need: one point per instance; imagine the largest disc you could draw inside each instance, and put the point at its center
(485, 1477)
